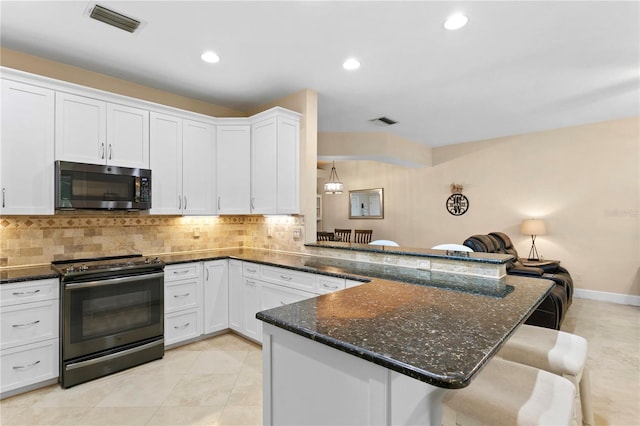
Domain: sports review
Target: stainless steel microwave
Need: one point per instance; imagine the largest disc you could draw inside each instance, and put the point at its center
(94, 186)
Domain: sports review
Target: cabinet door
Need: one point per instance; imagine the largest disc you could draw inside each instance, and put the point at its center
(288, 192)
(26, 150)
(216, 296)
(81, 129)
(236, 304)
(127, 136)
(166, 164)
(233, 169)
(251, 299)
(198, 174)
(264, 165)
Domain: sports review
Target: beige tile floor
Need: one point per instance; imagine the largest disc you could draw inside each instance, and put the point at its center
(218, 381)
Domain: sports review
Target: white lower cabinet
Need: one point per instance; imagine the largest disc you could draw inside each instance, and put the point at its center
(29, 348)
(212, 296)
(216, 296)
(182, 302)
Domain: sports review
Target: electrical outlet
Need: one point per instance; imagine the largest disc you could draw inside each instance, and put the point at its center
(297, 233)
(196, 232)
(269, 232)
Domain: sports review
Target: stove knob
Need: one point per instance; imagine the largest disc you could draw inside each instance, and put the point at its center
(147, 261)
(84, 267)
(71, 269)
(156, 260)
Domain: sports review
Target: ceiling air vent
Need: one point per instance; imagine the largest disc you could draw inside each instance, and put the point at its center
(114, 19)
(383, 121)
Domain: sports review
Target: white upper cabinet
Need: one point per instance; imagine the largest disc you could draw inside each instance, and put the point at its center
(26, 152)
(127, 136)
(166, 164)
(97, 132)
(275, 163)
(233, 168)
(198, 168)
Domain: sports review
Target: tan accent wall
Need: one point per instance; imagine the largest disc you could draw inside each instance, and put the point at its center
(37, 65)
(583, 181)
(37, 240)
(379, 146)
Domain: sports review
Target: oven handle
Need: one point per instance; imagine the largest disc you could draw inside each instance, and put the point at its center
(113, 281)
(81, 364)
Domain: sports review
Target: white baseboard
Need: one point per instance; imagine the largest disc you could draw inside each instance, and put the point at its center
(604, 296)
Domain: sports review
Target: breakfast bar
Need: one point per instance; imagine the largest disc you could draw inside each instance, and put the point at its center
(385, 352)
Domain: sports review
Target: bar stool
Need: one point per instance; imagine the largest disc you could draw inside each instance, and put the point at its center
(557, 352)
(508, 393)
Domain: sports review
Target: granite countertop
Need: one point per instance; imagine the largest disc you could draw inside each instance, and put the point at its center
(494, 258)
(434, 335)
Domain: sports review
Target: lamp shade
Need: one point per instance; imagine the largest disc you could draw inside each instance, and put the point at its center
(533, 227)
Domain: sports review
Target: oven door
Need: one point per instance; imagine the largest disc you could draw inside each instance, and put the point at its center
(103, 314)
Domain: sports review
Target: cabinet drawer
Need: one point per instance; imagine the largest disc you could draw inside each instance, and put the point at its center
(275, 295)
(28, 364)
(250, 270)
(181, 326)
(181, 295)
(329, 284)
(182, 271)
(289, 278)
(28, 323)
(31, 291)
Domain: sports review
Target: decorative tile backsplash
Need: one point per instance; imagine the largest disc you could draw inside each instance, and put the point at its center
(34, 240)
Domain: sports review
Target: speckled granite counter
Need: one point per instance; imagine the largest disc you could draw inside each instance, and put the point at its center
(494, 258)
(435, 335)
(29, 273)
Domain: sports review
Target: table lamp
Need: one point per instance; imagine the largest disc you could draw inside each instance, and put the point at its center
(533, 227)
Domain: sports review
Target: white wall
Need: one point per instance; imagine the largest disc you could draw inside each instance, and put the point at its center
(583, 181)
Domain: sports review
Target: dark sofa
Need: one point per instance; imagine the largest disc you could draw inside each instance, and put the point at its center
(551, 312)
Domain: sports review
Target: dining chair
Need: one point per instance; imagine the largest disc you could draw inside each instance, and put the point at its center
(343, 235)
(454, 247)
(325, 236)
(384, 243)
(362, 236)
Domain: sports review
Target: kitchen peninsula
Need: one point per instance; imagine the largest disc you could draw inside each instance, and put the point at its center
(386, 352)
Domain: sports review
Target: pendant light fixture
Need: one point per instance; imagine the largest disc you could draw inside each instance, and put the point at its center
(334, 186)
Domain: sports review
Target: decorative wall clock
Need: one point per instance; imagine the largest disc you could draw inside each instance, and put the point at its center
(457, 204)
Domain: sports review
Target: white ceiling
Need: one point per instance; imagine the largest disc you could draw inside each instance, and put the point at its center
(516, 67)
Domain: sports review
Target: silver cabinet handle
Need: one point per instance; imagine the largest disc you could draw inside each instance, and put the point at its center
(185, 202)
(253, 271)
(25, 293)
(252, 199)
(207, 279)
(25, 325)
(186, 271)
(101, 151)
(251, 283)
(282, 303)
(110, 151)
(179, 202)
(330, 287)
(181, 327)
(24, 367)
(218, 203)
(4, 190)
(285, 277)
(178, 296)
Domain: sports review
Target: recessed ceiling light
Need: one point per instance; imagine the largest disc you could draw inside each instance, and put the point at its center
(210, 57)
(456, 21)
(351, 64)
